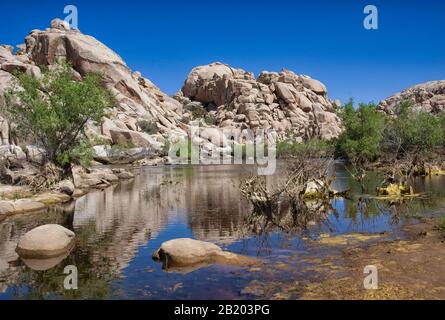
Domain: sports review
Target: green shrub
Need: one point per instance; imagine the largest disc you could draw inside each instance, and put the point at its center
(149, 127)
(197, 110)
(185, 120)
(210, 120)
(82, 154)
(314, 147)
(53, 111)
(413, 131)
(363, 134)
(100, 141)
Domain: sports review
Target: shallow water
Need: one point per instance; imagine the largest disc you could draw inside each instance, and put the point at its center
(117, 230)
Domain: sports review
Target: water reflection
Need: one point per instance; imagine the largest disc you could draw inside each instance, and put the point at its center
(117, 229)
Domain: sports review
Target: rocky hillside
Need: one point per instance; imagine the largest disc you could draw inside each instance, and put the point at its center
(429, 97)
(295, 106)
(138, 98)
(291, 104)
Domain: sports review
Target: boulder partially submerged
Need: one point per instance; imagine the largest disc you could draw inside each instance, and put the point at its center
(189, 253)
(45, 242)
(395, 190)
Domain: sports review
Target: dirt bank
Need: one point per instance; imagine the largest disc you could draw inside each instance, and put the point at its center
(413, 268)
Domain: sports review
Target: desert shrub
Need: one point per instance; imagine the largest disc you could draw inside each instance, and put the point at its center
(197, 110)
(81, 154)
(53, 111)
(185, 120)
(316, 147)
(413, 131)
(149, 127)
(210, 120)
(363, 132)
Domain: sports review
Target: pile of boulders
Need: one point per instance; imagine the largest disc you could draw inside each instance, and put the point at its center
(288, 103)
(428, 97)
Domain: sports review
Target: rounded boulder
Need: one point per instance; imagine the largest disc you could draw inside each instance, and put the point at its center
(45, 241)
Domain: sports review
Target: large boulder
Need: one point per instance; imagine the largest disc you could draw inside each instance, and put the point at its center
(66, 187)
(45, 242)
(108, 155)
(93, 178)
(185, 253)
(133, 139)
(429, 97)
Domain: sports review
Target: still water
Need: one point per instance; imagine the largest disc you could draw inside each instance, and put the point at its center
(118, 229)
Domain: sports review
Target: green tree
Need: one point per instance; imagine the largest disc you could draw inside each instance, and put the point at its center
(53, 112)
(363, 132)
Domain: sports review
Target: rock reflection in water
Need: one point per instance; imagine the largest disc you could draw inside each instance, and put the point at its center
(117, 229)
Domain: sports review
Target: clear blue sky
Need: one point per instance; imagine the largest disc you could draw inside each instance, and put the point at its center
(323, 39)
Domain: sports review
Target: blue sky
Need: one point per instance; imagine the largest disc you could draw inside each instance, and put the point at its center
(323, 39)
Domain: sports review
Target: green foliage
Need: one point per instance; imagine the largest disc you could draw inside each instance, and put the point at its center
(197, 110)
(100, 141)
(442, 224)
(185, 120)
(229, 106)
(210, 120)
(315, 147)
(413, 131)
(441, 118)
(54, 111)
(82, 154)
(149, 127)
(363, 134)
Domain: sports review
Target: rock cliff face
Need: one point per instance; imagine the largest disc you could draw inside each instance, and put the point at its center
(429, 97)
(286, 102)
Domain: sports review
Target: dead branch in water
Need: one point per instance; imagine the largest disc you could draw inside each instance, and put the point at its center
(301, 195)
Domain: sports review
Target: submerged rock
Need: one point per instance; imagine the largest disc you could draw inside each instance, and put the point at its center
(395, 190)
(189, 253)
(66, 187)
(46, 241)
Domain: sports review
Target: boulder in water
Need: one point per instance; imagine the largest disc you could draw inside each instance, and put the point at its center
(46, 241)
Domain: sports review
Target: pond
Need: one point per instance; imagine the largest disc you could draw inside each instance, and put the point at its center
(117, 230)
